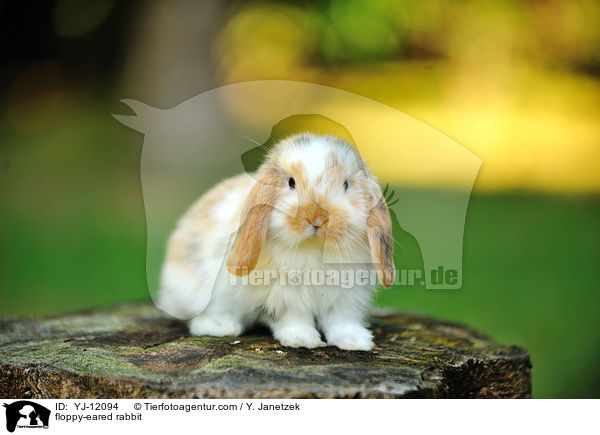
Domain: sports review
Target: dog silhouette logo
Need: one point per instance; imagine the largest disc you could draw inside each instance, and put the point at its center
(26, 414)
(190, 147)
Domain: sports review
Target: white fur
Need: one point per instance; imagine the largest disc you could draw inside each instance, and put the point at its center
(199, 287)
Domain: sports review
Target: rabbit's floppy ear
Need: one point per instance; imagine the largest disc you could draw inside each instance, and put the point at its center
(254, 224)
(379, 232)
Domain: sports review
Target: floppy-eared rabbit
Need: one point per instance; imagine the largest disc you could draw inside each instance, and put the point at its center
(312, 205)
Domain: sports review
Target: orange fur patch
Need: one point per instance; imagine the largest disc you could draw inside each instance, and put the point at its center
(298, 171)
(379, 232)
(254, 224)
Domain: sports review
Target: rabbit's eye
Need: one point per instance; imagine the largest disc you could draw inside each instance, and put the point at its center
(292, 182)
(346, 185)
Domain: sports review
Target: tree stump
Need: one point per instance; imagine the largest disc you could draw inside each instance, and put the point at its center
(134, 351)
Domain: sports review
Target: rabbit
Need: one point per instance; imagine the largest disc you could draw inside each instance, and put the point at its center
(312, 198)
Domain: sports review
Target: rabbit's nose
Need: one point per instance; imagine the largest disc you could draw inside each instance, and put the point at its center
(319, 221)
(319, 217)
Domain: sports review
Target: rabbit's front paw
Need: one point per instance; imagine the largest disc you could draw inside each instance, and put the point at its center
(351, 337)
(299, 337)
(215, 326)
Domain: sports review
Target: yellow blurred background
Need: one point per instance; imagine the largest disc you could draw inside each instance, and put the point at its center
(509, 80)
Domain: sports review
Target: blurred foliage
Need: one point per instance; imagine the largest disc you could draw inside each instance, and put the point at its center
(73, 18)
(515, 82)
(280, 34)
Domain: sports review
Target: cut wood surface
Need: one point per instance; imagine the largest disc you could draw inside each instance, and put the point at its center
(136, 351)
